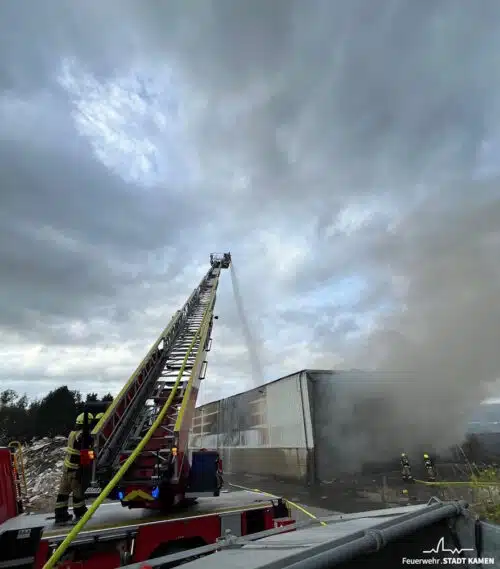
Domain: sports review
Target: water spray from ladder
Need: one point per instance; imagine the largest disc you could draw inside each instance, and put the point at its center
(257, 375)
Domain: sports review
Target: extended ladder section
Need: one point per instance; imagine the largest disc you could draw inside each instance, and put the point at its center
(165, 385)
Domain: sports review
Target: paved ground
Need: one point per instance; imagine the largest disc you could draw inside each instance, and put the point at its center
(354, 494)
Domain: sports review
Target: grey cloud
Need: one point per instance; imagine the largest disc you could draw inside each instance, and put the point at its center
(366, 90)
(65, 191)
(359, 88)
(317, 106)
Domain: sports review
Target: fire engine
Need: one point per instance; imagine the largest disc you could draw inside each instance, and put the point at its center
(154, 496)
(160, 504)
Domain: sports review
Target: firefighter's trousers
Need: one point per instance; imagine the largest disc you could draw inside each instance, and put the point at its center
(71, 484)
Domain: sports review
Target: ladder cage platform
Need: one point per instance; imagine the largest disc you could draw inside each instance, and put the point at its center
(222, 260)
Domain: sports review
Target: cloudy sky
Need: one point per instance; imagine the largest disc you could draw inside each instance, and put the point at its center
(346, 153)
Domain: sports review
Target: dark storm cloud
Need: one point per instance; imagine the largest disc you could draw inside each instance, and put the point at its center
(365, 94)
(73, 236)
(66, 190)
(383, 93)
(317, 105)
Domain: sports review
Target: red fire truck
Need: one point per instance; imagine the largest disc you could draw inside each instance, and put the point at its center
(154, 496)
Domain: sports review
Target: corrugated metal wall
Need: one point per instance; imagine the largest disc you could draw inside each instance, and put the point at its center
(266, 431)
(344, 410)
(313, 425)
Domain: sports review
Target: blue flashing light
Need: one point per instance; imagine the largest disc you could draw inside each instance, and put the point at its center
(155, 493)
(121, 495)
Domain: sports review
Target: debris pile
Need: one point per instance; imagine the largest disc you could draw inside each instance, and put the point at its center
(43, 460)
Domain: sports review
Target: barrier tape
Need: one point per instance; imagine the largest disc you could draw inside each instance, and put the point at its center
(292, 504)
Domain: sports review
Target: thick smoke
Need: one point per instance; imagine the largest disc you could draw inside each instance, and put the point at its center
(438, 352)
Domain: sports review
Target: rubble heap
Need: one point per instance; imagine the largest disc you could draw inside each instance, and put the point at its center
(43, 461)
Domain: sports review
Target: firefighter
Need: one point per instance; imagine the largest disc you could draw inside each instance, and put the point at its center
(406, 468)
(429, 467)
(86, 473)
(71, 479)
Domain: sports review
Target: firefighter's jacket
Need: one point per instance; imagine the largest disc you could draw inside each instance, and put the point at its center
(72, 459)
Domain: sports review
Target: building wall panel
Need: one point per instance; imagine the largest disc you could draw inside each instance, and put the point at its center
(344, 409)
(282, 463)
(285, 417)
(265, 431)
(318, 424)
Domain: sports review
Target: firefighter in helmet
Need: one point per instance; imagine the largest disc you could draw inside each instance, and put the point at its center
(429, 467)
(71, 479)
(405, 468)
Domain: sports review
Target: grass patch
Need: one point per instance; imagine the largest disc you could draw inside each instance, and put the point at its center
(485, 484)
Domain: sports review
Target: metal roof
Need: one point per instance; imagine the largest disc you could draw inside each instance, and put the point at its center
(330, 371)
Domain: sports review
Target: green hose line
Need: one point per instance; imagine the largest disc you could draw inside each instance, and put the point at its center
(58, 553)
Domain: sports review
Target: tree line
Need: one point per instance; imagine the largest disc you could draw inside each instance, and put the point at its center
(54, 414)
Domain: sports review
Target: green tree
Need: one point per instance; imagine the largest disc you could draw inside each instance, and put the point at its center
(31, 419)
(7, 397)
(13, 417)
(54, 414)
(57, 412)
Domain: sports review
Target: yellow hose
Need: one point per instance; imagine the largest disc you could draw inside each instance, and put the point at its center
(292, 504)
(126, 465)
(471, 483)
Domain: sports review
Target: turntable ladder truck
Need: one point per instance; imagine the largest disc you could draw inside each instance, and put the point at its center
(164, 497)
(163, 389)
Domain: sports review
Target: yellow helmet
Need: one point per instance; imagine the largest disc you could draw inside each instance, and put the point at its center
(403, 454)
(426, 455)
(80, 420)
(99, 416)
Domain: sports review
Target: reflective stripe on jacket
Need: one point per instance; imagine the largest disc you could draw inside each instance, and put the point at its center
(72, 459)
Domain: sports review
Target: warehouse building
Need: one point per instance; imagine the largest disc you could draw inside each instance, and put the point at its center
(295, 427)
(312, 426)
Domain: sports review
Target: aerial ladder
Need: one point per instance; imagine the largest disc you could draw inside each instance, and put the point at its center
(165, 384)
